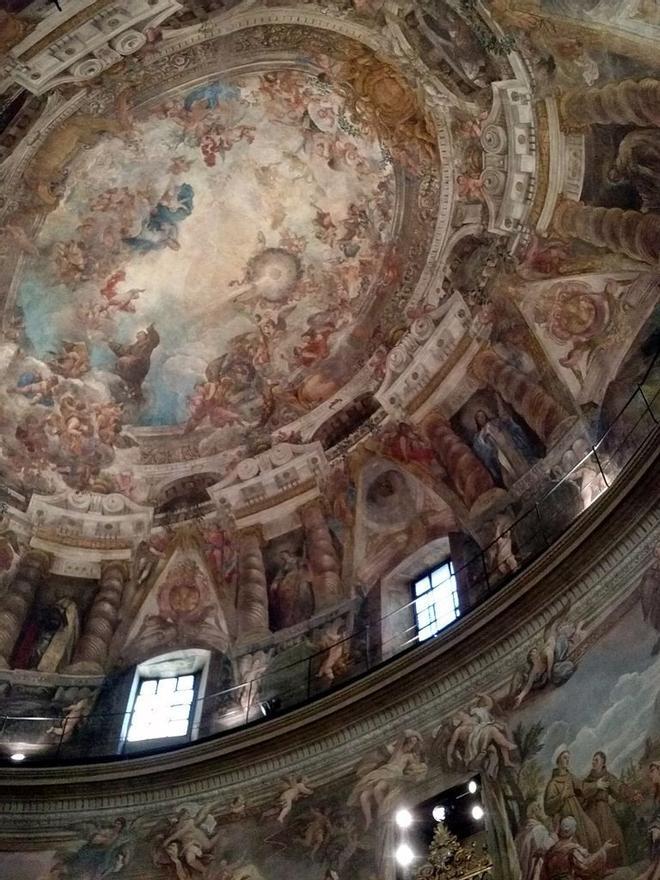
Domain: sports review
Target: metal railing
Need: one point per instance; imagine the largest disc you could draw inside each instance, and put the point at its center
(77, 733)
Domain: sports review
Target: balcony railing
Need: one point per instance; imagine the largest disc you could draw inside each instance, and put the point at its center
(78, 734)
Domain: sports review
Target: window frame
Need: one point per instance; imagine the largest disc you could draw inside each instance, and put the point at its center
(176, 664)
(415, 597)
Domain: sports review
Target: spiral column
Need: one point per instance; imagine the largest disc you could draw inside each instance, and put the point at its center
(540, 411)
(17, 601)
(470, 477)
(623, 103)
(252, 604)
(323, 559)
(626, 232)
(91, 654)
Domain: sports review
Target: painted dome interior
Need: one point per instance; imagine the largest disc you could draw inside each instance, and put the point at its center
(306, 310)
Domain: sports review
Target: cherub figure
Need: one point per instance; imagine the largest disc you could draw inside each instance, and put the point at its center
(37, 388)
(72, 362)
(72, 717)
(294, 788)
(107, 850)
(333, 642)
(208, 400)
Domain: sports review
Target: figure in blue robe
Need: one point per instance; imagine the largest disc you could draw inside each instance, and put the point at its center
(503, 447)
(161, 228)
(211, 94)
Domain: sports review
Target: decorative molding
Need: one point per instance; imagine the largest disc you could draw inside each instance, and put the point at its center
(566, 167)
(510, 163)
(81, 529)
(43, 61)
(257, 488)
(426, 352)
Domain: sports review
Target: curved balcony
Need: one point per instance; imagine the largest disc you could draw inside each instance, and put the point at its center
(80, 736)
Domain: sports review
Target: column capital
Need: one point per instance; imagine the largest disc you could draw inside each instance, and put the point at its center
(313, 505)
(253, 531)
(115, 567)
(37, 559)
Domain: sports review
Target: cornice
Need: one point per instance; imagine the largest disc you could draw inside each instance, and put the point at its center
(596, 562)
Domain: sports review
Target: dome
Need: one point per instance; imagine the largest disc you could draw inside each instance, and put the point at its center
(328, 438)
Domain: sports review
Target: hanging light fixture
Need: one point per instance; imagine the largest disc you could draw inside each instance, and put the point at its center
(404, 855)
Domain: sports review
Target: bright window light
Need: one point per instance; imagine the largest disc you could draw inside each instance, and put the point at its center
(162, 708)
(436, 601)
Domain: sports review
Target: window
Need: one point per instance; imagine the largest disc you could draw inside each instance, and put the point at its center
(166, 700)
(436, 600)
(162, 708)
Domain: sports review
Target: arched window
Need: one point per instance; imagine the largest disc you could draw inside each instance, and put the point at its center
(165, 704)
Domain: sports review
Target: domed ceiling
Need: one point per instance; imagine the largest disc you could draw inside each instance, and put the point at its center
(232, 226)
(298, 301)
(205, 257)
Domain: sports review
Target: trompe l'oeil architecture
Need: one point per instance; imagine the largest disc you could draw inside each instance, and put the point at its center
(328, 439)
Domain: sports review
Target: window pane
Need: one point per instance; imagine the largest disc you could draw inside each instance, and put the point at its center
(181, 711)
(436, 602)
(162, 708)
(177, 728)
(166, 686)
(422, 586)
(440, 575)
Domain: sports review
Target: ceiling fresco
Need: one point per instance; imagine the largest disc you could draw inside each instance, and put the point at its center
(211, 259)
(201, 269)
(227, 226)
(301, 296)
(301, 300)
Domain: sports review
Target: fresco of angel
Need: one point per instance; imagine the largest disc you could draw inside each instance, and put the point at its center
(316, 833)
(72, 362)
(161, 228)
(293, 788)
(187, 845)
(208, 401)
(107, 851)
(251, 669)
(479, 737)
(382, 776)
(113, 300)
(72, 717)
(36, 387)
(550, 662)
